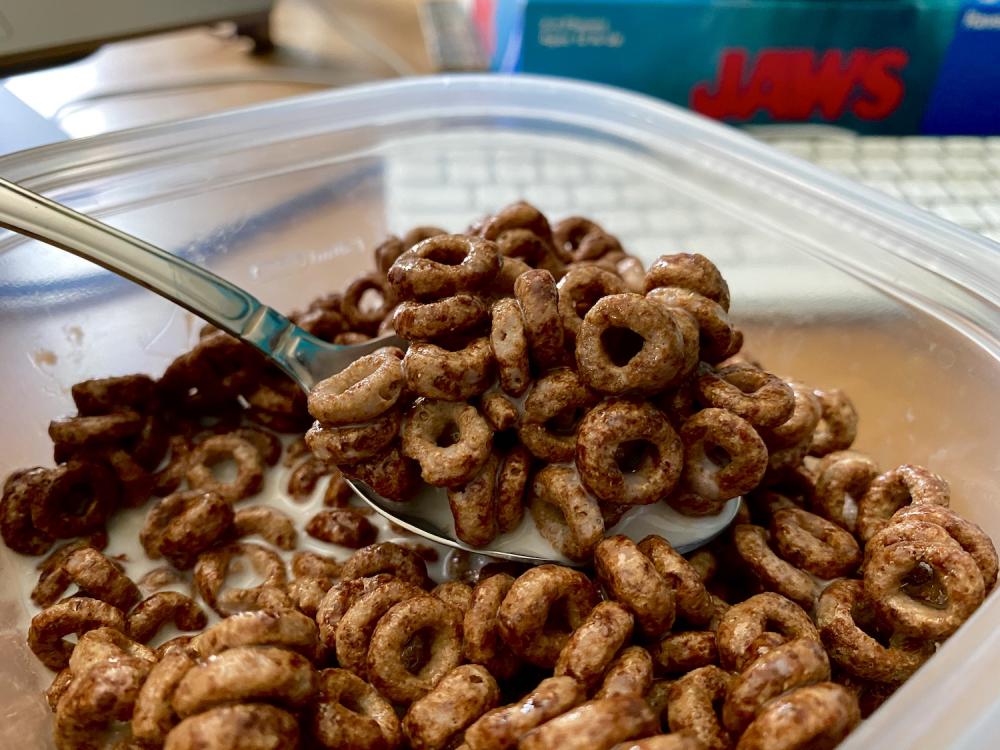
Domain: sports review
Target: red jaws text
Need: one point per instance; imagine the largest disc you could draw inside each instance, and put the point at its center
(796, 84)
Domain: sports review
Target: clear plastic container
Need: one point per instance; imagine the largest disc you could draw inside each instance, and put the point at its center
(831, 282)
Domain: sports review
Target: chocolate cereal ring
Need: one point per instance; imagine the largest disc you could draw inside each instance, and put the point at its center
(390, 474)
(425, 321)
(838, 425)
(692, 706)
(218, 448)
(456, 374)
(351, 714)
(718, 338)
(674, 741)
(245, 726)
(367, 318)
(343, 526)
(351, 444)
(566, 515)
(632, 579)
(854, 650)
(501, 728)
(628, 344)
(212, 568)
(455, 593)
(77, 500)
(694, 603)
(481, 641)
(814, 544)
(799, 427)
(743, 624)
(474, 506)
(444, 265)
(512, 481)
(461, 697)
(271, 524)
(185, 524)
(686, 650)
(161, 608)
(763, 399)
(105, 395)
(579, 290)
(451, 441)
(440, 625)
(498, 410)
(153, 717)
(525, 247)
(753, 546)
(710, 431)
(525, 615)
(627, 453)
(631, 675)
(892, 490)
(18, 530)
(100, 578)
(552, 413)
(538, 298)
(592, 647)
(509, 344)
(595, 725)
(518, 215)
(285, 628)
(690, 271)
(583, 239)
(819, 715)
(75, 615)
(365, 389)
(355, 628)
(386, 557)
(843, 479)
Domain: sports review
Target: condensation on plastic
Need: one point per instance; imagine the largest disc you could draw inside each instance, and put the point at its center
(895, 306)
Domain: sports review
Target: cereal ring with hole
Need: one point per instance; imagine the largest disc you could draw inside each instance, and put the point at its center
(628, 344)
(337, 600)
(286, 628)
(453, 373)
(838, 425)
(390, 474)
(743, 624)
(499, 412)
(153, 613)
(219, 448)
(351, 715)
(306, 592)
(940, 599)
(843, 479)
(791, 665)
(245, 726)
(425, 321)
(455, 593)
(512, 481)
(888, 492)
(775, 574)
(690, 271)
(153, 717)
(461, 697)
(763, 399)
(325, 324)
(541, 609)
(393, 670)
(93, 700)
(386, 557)
(18, 530)
(692, 706)
(350, 444)
(354, 631)
(538, 298)
(444, 265)
(799, 427)
(481, 641)
(627, 453)
(718, 338)
(911, 530)
(814, 544)
(631, 578)
(518, 215)
(509, 344)
(388, 250)
(364, 317)
(592, 647)
(365, 389)
(552, 413)
(75, 615)
(103, 644)
(631, 674)
(343, 526)
(169, 478)
(185, 524)
(583, 239)
(212, 568)
(244, 674)
(819, 715)
(474, 506)
(842, 616)
(567, 516)
(970, 536)
(418, 234)
(451, 441)
(501, 728)
(529, 249)
(693, 602)
(74, 433)
(100, 578)
(724, 456)
(595, 725)
(686, 650)
(274, 526)
(579, 290)
(104, 395)
(77, 499)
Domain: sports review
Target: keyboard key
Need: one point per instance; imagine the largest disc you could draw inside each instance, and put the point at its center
(967, 166)
(588, 197)
(961, 214)
(490, 198)
(880, 166)
(563, 171)
(923, 166)
(921, 146)
(968, 188)
(440, 197)
(645, 196)
(922, 189)
(668, 220)
(608, 172)
(548, 198)
(878, 146)
(418, 171)
(843, 166)
(472, 173)
(623, 222)
(508, 172)
(963, 145)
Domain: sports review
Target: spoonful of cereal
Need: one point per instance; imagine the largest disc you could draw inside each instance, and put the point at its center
(531, 369)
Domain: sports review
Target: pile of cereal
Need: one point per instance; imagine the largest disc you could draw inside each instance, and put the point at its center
(547, 369)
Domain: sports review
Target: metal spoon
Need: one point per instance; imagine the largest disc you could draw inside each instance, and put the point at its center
(305, 358)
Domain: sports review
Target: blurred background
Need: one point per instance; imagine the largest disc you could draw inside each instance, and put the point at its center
(903, 95)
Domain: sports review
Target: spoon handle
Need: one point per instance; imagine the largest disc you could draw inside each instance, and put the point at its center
(202, 292)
